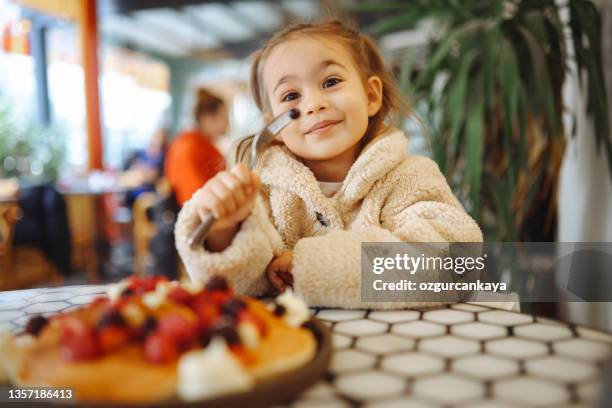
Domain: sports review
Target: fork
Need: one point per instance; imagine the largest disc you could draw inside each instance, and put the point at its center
(262, 139)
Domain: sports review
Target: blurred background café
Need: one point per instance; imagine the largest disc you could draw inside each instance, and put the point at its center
(96, 95)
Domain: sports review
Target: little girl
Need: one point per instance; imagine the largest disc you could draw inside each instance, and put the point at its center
(339, 175)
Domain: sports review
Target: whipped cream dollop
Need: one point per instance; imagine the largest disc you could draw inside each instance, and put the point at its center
(212, 371)
(192, 286)
(114, 290)
(249, 334)
(296, 311)
(156, 298)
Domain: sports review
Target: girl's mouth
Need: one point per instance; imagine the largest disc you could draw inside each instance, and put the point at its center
(322, 127)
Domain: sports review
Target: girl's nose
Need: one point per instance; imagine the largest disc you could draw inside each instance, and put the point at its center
(315, 103)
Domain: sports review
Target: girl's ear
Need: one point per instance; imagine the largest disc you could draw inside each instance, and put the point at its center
(374, 92)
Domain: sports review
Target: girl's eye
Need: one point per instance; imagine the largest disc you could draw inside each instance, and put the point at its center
(291, 96)
(331, 82)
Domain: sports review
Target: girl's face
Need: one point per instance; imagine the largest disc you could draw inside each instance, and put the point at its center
(319, 77)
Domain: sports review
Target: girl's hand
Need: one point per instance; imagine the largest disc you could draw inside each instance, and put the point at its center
(279, 271)
(229, 196)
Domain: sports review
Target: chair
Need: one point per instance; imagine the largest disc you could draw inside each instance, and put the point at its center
(23, 266)
(145, 228)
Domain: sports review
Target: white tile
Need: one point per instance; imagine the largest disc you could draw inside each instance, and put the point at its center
(347, 360)
(338, 315)
(527, 391)
(395, 316)
(594, 334)
(406, 402)
(418, 329)
(9, 315)
(448, 389)
(87, 289)
(583, 349)
(561, 369)
(589, 391)
(413, 364)
(546, 320)
(479, 331)
(469, 307)
(360, 327)
(485, 367)
(49, 297)
(504, 318)
(448, 316)
(449, 346)
(340, 341)
(13, 304)
(385, 343)
(545, 332)
(517, 348)
(46, 307)
(370, 385)
(487, 404)
(18, 295)
(321, 389)
(321, 403)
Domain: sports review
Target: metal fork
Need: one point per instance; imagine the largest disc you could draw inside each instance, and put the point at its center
(262, 139)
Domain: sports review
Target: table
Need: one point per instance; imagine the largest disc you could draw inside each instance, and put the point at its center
(462, 355)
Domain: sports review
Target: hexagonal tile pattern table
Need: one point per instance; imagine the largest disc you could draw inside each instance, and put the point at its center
(462, 355)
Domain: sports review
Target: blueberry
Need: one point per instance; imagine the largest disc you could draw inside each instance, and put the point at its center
(217, 282)
(36, 324)
(149, 325)
(233, 307)
(226, 330)
(111, 317)
(279, 310)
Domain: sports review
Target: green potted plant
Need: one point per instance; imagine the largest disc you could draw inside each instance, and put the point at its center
(28, 151)
(491, 85)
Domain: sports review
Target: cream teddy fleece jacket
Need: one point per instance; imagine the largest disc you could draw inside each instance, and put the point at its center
(387, 196)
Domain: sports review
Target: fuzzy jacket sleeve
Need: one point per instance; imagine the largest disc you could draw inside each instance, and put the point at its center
(244, 262)
(422, 208)
(419, 208)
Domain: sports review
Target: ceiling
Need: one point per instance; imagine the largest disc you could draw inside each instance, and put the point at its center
(190, 29)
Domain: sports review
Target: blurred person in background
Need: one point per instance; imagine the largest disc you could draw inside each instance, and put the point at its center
(146, 166)
(193, 158)
(44, 224)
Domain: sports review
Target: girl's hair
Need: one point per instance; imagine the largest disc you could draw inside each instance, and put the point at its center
(366, 57)
(206, 103)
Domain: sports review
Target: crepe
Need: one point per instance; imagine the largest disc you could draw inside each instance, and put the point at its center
(125, 373)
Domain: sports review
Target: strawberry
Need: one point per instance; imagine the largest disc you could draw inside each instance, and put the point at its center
(79, 341)
(180, 295)
(100, 300)
(207, 312)
(146, 284)
(159, 348)
(219, 297)
(177, 328)
(112, 337)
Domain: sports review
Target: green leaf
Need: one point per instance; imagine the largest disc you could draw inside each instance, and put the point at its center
(456, 101)
(474, 136)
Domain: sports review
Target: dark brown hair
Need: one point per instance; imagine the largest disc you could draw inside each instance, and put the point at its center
(206, 103)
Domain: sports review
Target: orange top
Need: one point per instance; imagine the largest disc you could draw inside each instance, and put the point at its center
(191, 161)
